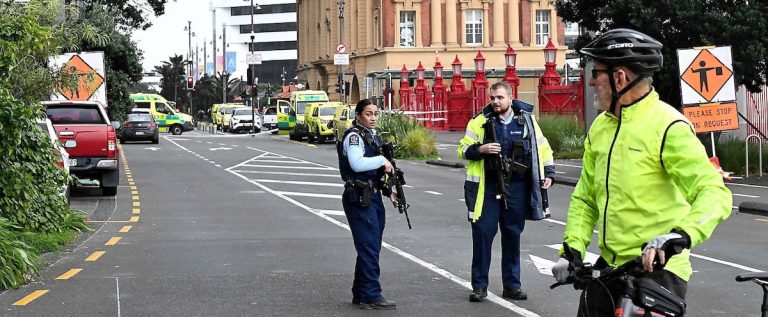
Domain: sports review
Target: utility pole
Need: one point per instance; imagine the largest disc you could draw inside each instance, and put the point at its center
(214, 52)
(341, 41)
(189, 52)
(205, 57)
(252, 69)
(224, 80)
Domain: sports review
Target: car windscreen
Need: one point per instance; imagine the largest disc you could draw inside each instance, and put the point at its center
(139, 118)
(242, 112)
(142, 104)
(270, 111)
(75, 115)
(301, 105)
(327, 111)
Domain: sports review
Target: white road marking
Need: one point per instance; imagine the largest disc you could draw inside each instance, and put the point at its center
(293, 174)
(220, 149)
(277, 161)
(746, 185)
(590, 258)
(568, 165)
(117, 286)
(291, 167)
(461, 199)
(431, 192)
(745, 195)
(407, 186)
(306, 194)
(331, 212)
(280, 181)
(455, 169)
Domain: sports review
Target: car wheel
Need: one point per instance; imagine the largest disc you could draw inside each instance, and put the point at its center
(176, 129)
(156, 139)
(122, 141)
(109, 191)
(311, 138)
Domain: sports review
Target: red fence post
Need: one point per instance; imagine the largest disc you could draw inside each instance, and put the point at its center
(440, 98)
(459, 104)
(405, 90)
(479, 84)
(510, 76)
(421, 94)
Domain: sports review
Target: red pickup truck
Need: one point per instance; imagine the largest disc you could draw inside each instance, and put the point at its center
(90, 139)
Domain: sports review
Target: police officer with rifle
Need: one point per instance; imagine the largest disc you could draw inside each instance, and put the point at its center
(363, 167)
(510, 166)
(396, 180)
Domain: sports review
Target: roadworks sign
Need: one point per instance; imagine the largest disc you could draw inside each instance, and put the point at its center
(706, 75)
(88, 68)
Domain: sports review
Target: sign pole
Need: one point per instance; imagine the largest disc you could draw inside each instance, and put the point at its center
(712, 138)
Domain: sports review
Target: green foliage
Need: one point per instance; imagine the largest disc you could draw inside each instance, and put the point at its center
(131, 13)
(48, 242)
(680, 24)
(411, 139)
(173, 82)
(565, 135)
(731, 153)
(17, 259)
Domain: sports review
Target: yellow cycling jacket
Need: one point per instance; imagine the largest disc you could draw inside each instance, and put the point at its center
(643, 176)
(474, 185)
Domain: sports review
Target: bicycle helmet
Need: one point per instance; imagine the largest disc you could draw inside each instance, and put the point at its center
(625, 47)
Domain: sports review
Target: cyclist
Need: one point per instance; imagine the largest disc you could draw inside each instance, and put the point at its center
(645, 177)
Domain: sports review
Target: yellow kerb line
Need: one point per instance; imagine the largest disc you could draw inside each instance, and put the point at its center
(135, 197)
(113, 241)
(69, 274)
(125, 229)
(134, 192)
(136, 204)
(29, 298)
(762, 219)
(95, 256)
(133, 187)
(136, 210)
(135, 219)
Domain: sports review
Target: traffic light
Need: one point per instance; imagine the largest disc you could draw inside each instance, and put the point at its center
(346, 88)
(190, 82)
(338, 86)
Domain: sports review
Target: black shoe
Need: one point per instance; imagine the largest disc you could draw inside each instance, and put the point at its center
(355, 300)
(382, 304)
(478, 295)
(516, 294)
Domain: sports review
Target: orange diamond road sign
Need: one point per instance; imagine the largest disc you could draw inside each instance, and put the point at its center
(707, 75)
(88, 80)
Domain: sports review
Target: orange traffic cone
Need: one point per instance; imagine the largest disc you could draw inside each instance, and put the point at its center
(716, 162)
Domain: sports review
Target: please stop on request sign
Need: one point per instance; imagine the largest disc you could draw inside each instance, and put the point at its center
(713, 117)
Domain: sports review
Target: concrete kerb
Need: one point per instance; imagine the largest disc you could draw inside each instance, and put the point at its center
(754, 207)
(446, 163)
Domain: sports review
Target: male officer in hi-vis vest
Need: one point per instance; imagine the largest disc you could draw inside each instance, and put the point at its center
(527, 169)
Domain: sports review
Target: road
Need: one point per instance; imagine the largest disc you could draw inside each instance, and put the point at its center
(252, 226)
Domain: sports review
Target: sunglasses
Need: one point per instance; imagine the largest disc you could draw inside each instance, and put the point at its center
(596, 71)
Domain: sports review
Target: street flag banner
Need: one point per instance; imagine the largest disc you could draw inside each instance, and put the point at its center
(88, 67)
(219, 64)
(209, 69)
(231, 62)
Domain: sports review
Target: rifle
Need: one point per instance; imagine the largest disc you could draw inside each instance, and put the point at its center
(397, 180)
(497, 163)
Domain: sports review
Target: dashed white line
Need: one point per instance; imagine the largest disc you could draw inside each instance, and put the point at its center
(433, 193)
(280, 181)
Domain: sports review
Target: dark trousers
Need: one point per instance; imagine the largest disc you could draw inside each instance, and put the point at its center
(511, 222)
(367, 226)
(599, 301)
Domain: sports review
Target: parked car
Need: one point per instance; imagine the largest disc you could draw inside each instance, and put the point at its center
(225, 113)
(139, 127)
(342, 121)
(241, 120)
(58, 148)
(90, 140)
(269, 118)
(319, 123)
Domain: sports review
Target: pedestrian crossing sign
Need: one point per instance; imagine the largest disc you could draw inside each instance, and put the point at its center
(706, 75)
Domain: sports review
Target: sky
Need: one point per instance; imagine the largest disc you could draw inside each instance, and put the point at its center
(167, 36)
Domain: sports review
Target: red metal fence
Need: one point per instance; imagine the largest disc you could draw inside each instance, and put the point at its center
(757, 111)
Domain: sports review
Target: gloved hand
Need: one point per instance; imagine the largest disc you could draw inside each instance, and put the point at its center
(560, 271)
(567, 265)
(664, 245)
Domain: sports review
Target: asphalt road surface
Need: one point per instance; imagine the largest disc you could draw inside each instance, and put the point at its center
(253, 226)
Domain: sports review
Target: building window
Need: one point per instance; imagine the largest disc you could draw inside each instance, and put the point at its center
(265, 9)
(272, 46)
(269, 27)
(474, 26)
(542, 27)
(407, 28)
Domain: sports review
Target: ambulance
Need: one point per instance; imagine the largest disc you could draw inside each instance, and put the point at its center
(167, 118)
(299, 101)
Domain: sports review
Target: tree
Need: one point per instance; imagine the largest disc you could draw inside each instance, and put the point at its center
(173, 82)
(680, 24)
(131, 13)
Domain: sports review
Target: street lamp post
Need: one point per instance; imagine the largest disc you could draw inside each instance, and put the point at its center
(341, 40)
(252, 69)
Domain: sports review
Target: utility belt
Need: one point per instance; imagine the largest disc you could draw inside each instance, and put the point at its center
(360, 192)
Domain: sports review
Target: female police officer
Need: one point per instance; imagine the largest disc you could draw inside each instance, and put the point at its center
(362, 166)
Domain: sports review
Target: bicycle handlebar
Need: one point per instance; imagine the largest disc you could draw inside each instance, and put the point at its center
(751, 276)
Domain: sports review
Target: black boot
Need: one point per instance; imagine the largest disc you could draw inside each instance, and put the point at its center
(478, 295)
(382, 304)
(516, 294)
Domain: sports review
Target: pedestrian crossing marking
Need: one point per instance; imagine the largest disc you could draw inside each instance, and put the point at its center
(297, 182)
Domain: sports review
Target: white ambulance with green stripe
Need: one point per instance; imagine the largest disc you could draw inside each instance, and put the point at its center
(167, 118)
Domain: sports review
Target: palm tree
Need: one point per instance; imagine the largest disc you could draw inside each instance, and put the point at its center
(172, 83)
